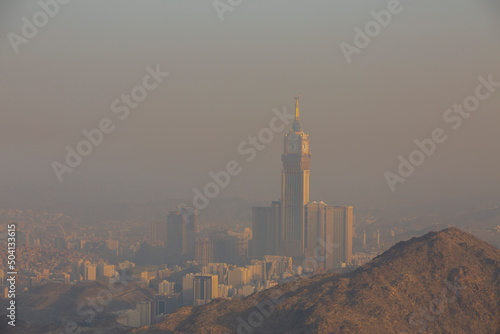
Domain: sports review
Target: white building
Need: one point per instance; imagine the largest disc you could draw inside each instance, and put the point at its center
(188, 289)
(166, 288)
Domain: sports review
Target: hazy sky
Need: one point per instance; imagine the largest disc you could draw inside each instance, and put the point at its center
(225, 79)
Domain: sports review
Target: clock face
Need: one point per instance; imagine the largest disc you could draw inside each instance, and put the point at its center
(305, 147)
(293, 146)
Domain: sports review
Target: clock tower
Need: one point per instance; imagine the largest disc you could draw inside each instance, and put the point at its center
(294, 188)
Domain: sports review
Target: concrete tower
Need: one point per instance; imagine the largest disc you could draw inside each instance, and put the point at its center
(296, 160)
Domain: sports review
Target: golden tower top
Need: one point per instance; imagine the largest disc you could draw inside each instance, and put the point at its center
(296, 97)
(296, 124)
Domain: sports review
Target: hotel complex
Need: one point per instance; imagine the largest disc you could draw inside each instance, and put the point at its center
(295, 226)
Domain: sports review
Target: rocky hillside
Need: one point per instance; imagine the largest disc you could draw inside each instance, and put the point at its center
(443, 282)
(48, 307)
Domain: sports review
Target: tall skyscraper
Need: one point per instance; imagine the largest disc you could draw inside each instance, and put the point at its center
(318, 228)
(176, 233)
(328, 231)
(204, 251)
(295, 188)
(181, 232)
(265, 223)
(343, 219)
(189, 217)
(295, 227)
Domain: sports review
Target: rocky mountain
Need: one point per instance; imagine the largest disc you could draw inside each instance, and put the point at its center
(442, 282)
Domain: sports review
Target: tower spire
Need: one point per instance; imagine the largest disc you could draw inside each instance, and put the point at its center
(296, 124)
(296, 97)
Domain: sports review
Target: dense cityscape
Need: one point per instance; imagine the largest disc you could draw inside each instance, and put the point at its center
(249, 167)
(182, 263)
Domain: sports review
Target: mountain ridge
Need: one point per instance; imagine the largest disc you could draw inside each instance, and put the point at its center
(442, 282)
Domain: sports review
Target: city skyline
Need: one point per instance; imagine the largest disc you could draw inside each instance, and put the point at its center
(232, 166)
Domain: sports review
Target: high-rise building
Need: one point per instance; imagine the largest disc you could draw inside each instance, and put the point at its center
(188, 289)
(189, 216)
(219, 269)
(294, 188)
(295, 227)
(204, 253)
(76, 270)
(144, 310)
(176, 233)
(166, 304)
(328, 231)
(158, 232)
(90, 272)
(346, 219)
(141, 316)
(242, 239)
(206, 288)
(162, 231)
(181, 232)
(265, 223)
(238, 276)
(105, 270)
(226, 248)
(255, 269)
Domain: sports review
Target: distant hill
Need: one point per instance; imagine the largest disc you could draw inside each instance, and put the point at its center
(482, 223)
(48, 306)
(442, 282)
